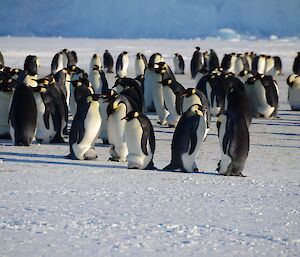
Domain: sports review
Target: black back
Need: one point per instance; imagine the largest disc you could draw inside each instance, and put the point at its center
(296, 64)
(278, 65)
(108, 61)
(30, 65)
(1, 59)
(196, 62)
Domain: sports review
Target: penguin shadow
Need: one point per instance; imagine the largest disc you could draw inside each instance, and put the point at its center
(196, 172)
(59, 157)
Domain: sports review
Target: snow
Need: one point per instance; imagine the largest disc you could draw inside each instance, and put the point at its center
(51, 206)
(149, 19)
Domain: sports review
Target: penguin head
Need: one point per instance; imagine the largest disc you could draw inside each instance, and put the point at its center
(198, 109)
(95, 56)
(96, 67)
(131, 115)
(125, 53)
(243, 73)
(166, 82)
(189, 91)
(197, 48)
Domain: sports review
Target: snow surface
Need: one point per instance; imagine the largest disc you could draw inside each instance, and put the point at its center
(150, 19)
(50, 206)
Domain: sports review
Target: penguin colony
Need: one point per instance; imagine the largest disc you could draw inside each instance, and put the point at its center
(235, 90)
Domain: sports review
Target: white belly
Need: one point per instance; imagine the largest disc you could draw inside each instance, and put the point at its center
(189, 101)
(225, 159)
(5, 99)
(158, 100)
(170, 100)
(139, 67)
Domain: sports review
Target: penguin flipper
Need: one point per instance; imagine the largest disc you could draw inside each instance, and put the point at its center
(193, 136)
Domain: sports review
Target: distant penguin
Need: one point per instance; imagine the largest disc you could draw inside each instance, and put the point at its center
(95, 61)
(264, 96)
(213, 88)
(178, 64)
(187, 138)
(213, 62)
(98, 79)
(108, 62)
(239, 64)
(278, 65)
(31, 66)
(293, 82)
(226, 61)
(172, 94)
(140, 64)
(22, 116)
(196, 62)
(1, 59)
(6, 90)
(192, 96)
(57, 63)
(140, 140)
(80, 89)
(155, 58)
(85, 129)
(122, 65)
(261, 63)
(49, 120)
(116, 110)
(270, 66)
(296, 64)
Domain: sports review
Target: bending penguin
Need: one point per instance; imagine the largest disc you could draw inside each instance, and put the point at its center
(85, 129)
(187, 138)
(22, 115)
(140, 140)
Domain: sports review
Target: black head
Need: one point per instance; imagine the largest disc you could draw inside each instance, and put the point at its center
(131, 115)
(189, 91)
(198, 109)
(197, 48)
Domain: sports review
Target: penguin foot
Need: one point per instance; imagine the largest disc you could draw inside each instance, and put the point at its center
(71, 156)
(114, 159)
(90, 158)
(162, 123)
(57, 140)
(105, 141)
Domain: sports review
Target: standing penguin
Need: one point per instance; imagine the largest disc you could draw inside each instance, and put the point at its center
(85, 129)
(95, 61)
(108, 62)
(155, 58)
(296, 64)
(122, 65)
(140, 64)
(22, 115)
(57, 63)
(1, 59)
(98, 79)
(117, 110)
(140, 140)
(178, 64)
(172, 93)
(187, 139)
(233, 133)
(293, 82)
(192, 96)
(31, 66)
(196, 62)
(278, 65)
(7, 86)
(213, 62)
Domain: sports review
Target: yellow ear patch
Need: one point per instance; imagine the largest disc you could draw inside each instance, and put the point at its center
(165, 65)
(163, 71)
(200, 113)
(73, 67)
(115, 105)
(193, 91)
(43, 89)
(78, 84)
(136, 114)
(89, 99)
(246, 72)
(169, 81)
(9, 81)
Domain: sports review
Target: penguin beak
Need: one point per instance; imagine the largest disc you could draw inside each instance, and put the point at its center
(185, 94)
(125, 118)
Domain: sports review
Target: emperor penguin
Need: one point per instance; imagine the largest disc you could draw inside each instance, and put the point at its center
(278, 65)
(79, 91)
(226, 62)
(178, 62)
(261, 63)
(98, 79)
(296, 64)
(187, 139)
(155, 58)
(234, 142)
(239, 64)
(140, 140)
(95, 61)
(264, 96)
(108, 62)
(293, 82)
(192, 96)
(116, 110)
(140, 64)
(57, 63)
(150, 79)
(214, 90)
(1, 59)
(7, 86)
(270, 66)
(213, 62)
(197, 62)
(172, 94)
(22, 115)
(122, 65)
(85, 129)
(31, 66)
(49, 120)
